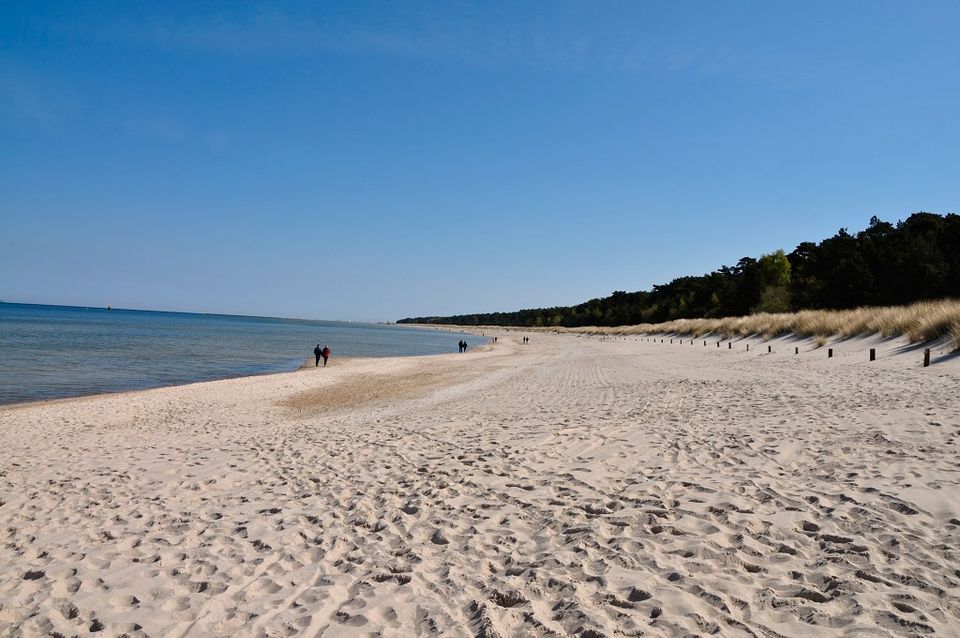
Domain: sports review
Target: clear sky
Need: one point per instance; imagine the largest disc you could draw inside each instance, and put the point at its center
(376, 160)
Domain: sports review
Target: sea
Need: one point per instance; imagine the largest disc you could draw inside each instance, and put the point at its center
(51, 352)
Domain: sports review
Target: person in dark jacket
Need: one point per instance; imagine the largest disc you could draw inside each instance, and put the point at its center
(326, 355)
(317, 352)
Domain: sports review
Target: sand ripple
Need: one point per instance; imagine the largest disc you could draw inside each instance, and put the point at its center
(572, 487)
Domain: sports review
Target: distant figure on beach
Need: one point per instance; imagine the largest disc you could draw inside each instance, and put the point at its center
(325, 353)
(317, 352)
(461, 346)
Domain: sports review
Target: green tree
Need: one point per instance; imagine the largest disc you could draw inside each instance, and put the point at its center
(774, 299)
(774, 269)
(774, 282)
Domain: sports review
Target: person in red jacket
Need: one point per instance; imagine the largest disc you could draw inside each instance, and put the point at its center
(326, 355)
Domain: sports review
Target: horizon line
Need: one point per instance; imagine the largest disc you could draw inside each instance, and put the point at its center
(188, 312)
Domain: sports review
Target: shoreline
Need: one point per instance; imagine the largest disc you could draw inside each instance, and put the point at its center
(900, 346)
(94, 395)
(303, 365)
(335, 364)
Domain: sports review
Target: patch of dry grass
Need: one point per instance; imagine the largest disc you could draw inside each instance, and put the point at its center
(921, 321)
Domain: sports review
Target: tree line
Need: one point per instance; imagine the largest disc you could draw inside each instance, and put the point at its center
(884, 264)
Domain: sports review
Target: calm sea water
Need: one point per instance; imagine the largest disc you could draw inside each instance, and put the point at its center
(59, 351)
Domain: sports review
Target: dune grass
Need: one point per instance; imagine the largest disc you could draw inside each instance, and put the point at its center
(919, 322)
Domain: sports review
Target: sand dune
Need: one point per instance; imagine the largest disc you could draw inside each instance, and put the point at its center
(575, 486)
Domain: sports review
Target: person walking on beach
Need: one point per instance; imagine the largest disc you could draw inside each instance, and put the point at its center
(317, 352)
(460, 346)
(325, 353)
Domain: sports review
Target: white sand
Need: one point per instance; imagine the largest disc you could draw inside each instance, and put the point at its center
(570, 487)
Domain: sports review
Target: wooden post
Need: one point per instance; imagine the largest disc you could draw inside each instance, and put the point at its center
(926, 357)
(796, 350)
(829, 352)
(748, 347)
(769, 349)
(718, 344)
(873, 354)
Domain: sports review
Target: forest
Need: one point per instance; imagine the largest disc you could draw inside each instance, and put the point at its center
(884, 264)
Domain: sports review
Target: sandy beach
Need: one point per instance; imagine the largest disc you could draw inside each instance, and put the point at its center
(574, 486)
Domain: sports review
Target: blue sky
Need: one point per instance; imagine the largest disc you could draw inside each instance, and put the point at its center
(375, 160)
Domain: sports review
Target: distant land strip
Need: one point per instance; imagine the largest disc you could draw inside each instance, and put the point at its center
(876, 274)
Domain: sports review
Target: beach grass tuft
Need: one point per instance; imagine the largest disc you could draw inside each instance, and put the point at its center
(919, 322)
